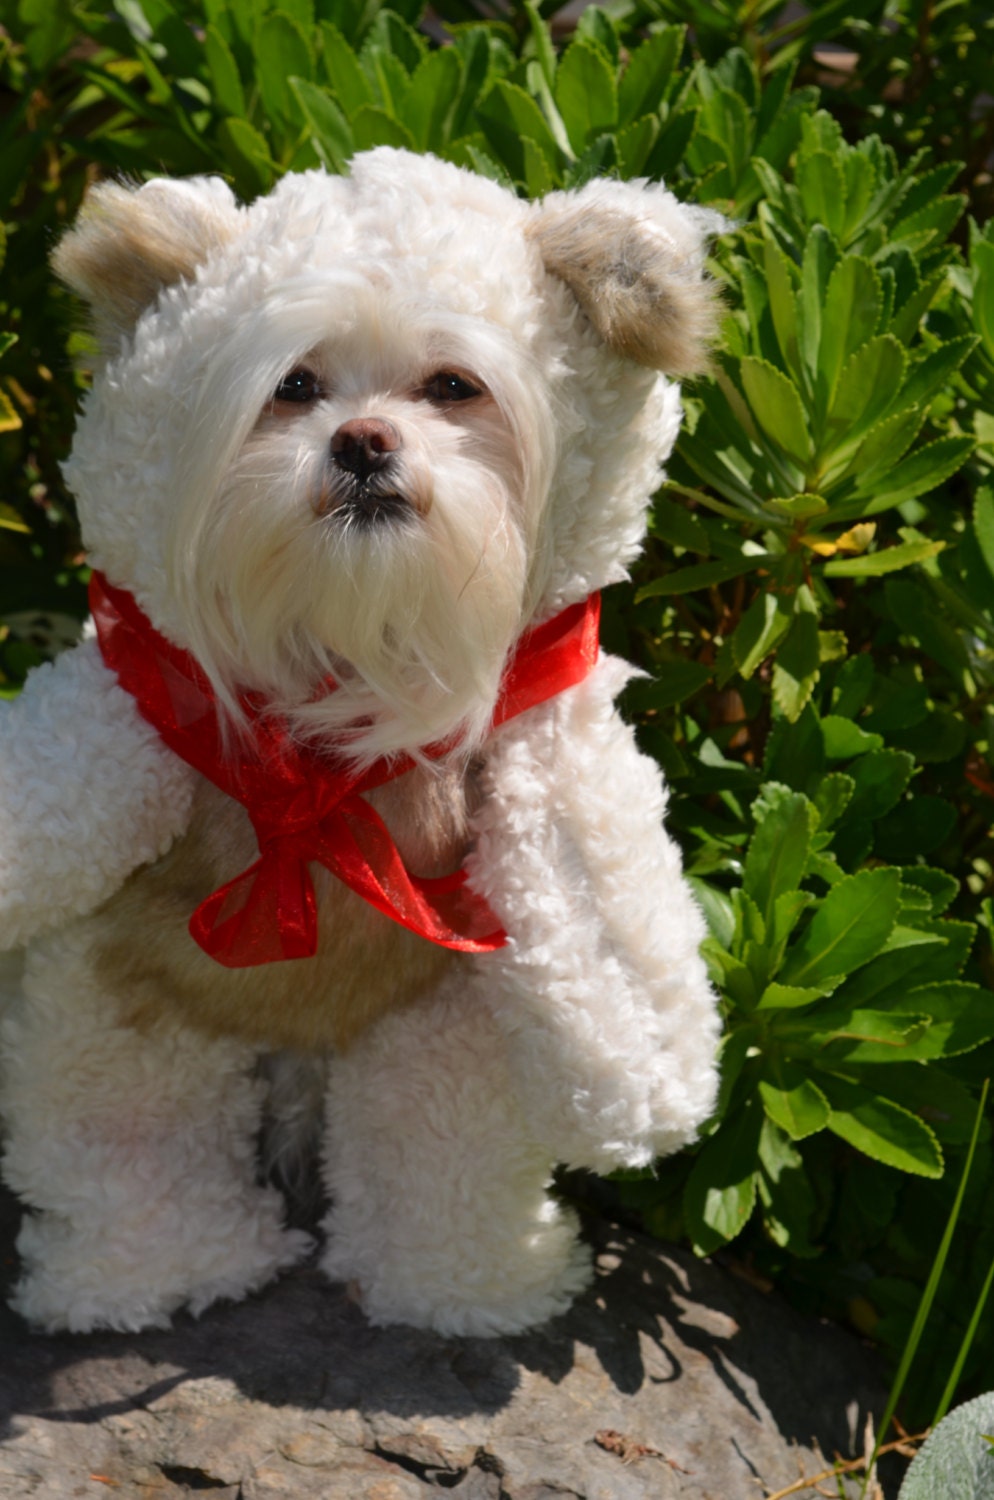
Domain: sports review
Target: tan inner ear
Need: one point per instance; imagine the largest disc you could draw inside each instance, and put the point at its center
(128, 244)
(648, 302)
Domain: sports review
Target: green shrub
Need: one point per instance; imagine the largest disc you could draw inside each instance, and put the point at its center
(816, 605)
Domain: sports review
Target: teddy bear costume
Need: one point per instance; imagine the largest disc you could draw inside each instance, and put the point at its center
(350, 451)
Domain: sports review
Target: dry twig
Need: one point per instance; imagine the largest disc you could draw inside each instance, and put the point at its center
(901, 1445)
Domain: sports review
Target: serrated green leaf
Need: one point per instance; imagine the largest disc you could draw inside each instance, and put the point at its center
(390, 79)
(596, 24)
(880, 778)
(392, 35)
(778, 850)
(330, 129)
(895, 967)
(860, 181)
(246, 149)
(881, 449)
(983, 525)
(943, 1102)
(671, 144)
(923, 470)
(982, 261)
(820, 256)
(374, 127)
(345, 74)
(887, 560)
(432, 98)
(799, 507)
(849, 318)
(281, 52)
(909, 314)
(938, 367)
(848, 929)
(538, 178)
(507, 115)
(677, 681)
(777, 407)
(786, 1195)
(701, 575)
(781, 284)
(227, 84)
(721, 1188)
(790, 996)
(585, 93)
(871, 378)
(764, 623)
(545, 52)
(843, 739)
(822, 188)
(727, 123)
(472, 152)
(634, 145)
(939, 885)
(861, 1035)
(962, 1018)
(880, 1128)
(646, 78)
(598, 160)
(717, 909)
(474, 48)
(832, 797)
(678, 525)
(792, 1100)
(797, 667)
(933, 222)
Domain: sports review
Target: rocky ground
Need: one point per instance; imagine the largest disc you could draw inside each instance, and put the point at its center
(671, 1379)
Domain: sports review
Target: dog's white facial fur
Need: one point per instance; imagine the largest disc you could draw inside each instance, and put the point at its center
(363, 428)
(375, 525)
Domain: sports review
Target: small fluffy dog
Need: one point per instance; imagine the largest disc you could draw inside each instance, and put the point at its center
(336, 771)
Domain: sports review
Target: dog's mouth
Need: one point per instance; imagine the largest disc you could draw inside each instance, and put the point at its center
(366, 509)
(361, 505)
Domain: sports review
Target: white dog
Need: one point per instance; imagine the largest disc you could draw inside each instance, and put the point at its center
(349, 446)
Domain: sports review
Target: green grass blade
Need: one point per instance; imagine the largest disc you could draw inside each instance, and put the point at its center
(945, 1400)
(928, 1295)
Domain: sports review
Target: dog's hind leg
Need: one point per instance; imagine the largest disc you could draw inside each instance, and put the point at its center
(440, 1212)
(135, 1152)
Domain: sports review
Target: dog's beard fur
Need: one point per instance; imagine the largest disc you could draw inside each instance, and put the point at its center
(412, 608)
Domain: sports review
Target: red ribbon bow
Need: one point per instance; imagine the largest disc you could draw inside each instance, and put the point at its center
(308, 806)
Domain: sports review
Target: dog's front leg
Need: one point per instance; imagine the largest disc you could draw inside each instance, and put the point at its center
(600, 994)
(88, 792)
(440, 1214)
(134, 1151)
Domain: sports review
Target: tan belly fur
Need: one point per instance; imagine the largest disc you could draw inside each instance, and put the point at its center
(366, 964)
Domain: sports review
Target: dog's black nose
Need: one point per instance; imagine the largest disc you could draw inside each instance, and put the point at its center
(364, 445)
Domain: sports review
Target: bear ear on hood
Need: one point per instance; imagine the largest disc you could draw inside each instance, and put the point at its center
(130, 242)
(633, 256)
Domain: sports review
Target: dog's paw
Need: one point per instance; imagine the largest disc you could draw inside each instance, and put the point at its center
(76, 1284)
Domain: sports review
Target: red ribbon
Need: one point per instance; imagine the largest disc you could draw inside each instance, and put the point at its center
(306, 805)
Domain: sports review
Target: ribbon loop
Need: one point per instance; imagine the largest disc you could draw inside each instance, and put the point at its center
(306, 806)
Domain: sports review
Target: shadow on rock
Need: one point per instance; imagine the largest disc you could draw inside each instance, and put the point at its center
(669, 1377)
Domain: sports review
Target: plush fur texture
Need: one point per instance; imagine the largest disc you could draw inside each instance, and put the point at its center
(372, 426)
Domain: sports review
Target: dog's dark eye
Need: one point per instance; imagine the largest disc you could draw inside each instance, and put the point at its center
(448, 386)
(299, 386)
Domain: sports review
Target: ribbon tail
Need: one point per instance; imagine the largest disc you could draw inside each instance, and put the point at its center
(354, 844)
(267, 913)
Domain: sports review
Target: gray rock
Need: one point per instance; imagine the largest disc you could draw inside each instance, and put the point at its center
(670, 1379)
